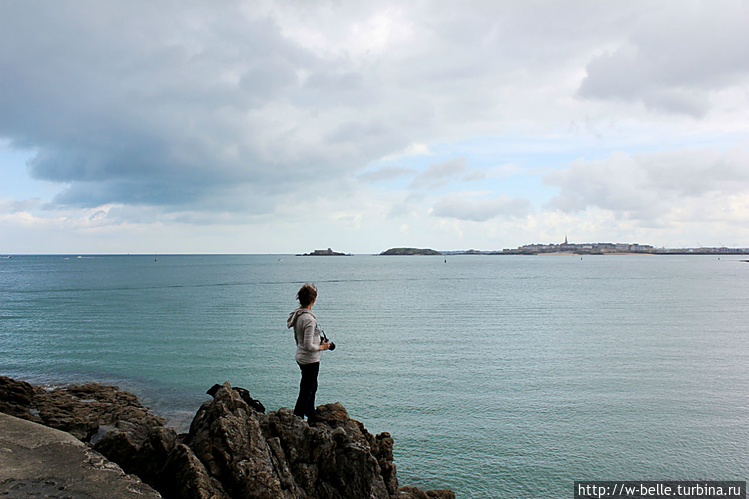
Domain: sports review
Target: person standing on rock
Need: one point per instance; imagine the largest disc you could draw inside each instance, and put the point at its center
(309, 344)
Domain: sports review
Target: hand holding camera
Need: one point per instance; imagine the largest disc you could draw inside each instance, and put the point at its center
(331, 345)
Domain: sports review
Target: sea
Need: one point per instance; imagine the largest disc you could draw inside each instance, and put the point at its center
(497, 376)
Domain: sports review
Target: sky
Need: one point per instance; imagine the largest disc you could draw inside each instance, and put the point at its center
(133, 126)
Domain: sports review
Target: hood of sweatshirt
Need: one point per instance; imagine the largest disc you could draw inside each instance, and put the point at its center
(293, 316)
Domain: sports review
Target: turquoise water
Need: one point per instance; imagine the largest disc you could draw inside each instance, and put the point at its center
(498, 376)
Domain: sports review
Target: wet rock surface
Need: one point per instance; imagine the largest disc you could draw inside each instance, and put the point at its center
(233, 449)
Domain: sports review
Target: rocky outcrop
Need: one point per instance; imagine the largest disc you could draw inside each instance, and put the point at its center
(233, 448)
(16, 397)
(410, 251)
(81, 410)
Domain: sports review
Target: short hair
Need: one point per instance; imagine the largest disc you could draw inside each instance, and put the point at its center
(307, 294)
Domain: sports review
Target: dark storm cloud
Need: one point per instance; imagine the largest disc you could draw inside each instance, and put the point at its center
(163, 103)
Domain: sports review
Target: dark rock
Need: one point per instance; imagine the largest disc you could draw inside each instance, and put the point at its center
(77, 409)
(441, 494)
(286, 457)
(233, 449)
(383, 451)
(244, 393)
(185, 477)
(226, 436)
(410, 251)
(113, 421)
(16, 398)
(81, 409)
(139, 449)
(416, 493)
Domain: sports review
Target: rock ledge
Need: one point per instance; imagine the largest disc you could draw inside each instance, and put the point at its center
(233, 448)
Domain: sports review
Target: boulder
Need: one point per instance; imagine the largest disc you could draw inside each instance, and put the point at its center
(15, 399)
(244, 393)
(416, 493)
(184, 476)
(82, 409)
(139, 449)
(226, 436)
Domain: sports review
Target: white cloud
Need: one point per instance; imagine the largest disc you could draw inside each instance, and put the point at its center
(476, 207)
(675, 58)
(440, 173)
(386, 173)
(411, 150)
(655, 186)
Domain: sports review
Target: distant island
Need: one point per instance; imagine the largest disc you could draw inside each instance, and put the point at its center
(410, 251)
(327, 252)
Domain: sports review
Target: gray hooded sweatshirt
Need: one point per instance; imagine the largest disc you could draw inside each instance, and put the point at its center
(306, 334)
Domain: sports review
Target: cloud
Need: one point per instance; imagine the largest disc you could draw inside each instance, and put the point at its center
(674, 58)
(232, 112)
(386, 173)
(648, 186)
(132, 102)
(439, 174)
(9, 205)
(477, 208)
(168, 104)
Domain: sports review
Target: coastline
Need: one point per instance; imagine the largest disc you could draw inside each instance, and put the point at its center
(233, 448)
(571, 249)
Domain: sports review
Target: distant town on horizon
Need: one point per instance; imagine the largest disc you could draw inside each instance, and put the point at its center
(605, 248)
(563, 248)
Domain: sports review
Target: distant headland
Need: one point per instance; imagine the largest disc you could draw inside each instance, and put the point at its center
(410, 251)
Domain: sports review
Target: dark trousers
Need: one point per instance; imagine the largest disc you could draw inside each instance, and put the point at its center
(305, 404)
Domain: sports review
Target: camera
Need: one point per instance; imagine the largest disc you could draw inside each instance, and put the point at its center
(326, 340)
